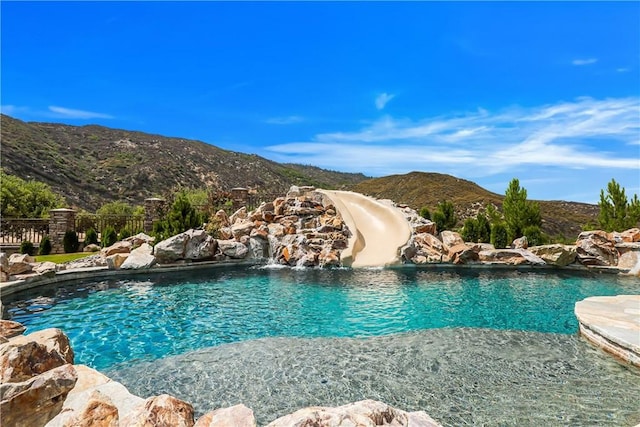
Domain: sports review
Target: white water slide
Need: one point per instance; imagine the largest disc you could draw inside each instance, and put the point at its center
(379, 230)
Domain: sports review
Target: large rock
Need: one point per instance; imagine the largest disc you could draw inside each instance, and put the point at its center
(450, 239)
(242, 228)
(20, 362)
(37, 400)
(139, 239)
(555, 254)
(163, 410)
(200, 245)
(520, 243)
(463, 253)
(171, 249)
(139, 258)
(233, 249)
(510, 257)
(20, 264)
(46, 267)
(121, 247)
(115, 261)
(97, 411)
(90, 261)
(629, 260)
(52, 339)
(234, 416)
(595, 248)
(366, 413)
(631, 235)
(9, 328)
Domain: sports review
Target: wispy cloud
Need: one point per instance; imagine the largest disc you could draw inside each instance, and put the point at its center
(587, 61)
(584, 133)
(623, 70)
(71, 113)
(12, 110)
(287, 120)
(383, 99)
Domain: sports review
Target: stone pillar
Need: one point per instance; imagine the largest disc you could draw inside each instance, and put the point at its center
(239, 196)
(153, 211)
(60, 221)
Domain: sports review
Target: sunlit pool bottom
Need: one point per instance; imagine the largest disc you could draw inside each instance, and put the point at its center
(450, 343)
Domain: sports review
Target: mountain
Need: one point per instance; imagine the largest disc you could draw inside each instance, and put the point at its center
(92, 165)
(418, 189)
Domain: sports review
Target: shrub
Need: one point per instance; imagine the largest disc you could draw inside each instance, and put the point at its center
(470, 230)
(213, 227)
(70, 242)
(499, 238)
(91, 237)
(424, 213)
(181, 217)
(445, 216)
(617, 213)
(124, 233)
(535, 236)
(45, 246)
(109, 237)
(26, 247)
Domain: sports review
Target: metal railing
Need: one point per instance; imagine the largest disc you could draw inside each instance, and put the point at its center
(17, 230)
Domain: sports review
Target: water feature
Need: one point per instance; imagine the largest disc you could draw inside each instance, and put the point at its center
(470, 347)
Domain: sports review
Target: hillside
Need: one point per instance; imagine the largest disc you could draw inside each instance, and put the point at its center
(92, 165)
(418, 189)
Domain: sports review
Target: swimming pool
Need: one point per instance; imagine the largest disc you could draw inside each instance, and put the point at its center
(467, 346)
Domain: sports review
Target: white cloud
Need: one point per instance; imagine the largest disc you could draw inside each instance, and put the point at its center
(623, 70)
(70, 113)
(383, 99)
(288, 120)
(582, 134)
(587, 61)
(12, 110)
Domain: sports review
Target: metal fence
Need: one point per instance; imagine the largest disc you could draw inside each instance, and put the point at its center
(135, 224)
(13, 231)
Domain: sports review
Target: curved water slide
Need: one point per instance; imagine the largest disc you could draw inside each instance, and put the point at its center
(379, 230)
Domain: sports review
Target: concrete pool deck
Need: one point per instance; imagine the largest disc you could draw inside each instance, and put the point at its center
(613, 324)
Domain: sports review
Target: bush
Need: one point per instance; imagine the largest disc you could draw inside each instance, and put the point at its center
(70, 242)
(445, 216)
(535, 237)
(26, 247)
(424, 213)
(181, 217)
(45, 246)
(124, 233)
(499, 238)
(470, 230)
(91, 237)
(109, 237)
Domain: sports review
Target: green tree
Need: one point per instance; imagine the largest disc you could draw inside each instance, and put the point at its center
(181, 217)
(26, 199)
(70, 242)
(484, 228)
(91, 237)
(445, 216)
(470, 230)
(109, 237)
(425, 213)
(499, 237)
(616, 212)
(45, 246)
(518, 212)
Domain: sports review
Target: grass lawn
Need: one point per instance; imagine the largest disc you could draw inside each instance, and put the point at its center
(62, 258)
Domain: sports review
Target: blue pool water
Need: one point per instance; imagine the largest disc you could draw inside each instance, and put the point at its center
(147, 318)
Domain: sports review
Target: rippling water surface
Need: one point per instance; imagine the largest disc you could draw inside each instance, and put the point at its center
(470, 348)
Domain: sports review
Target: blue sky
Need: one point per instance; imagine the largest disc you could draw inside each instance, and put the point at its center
(548, 93)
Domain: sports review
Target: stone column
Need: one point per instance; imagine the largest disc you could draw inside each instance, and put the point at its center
(239, 196)
(153, 211)
(60, 221)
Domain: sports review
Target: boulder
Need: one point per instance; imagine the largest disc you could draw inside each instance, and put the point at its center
(115, 261)
(510, 257)
(171, 249)
(242, 228)
(9, 328)
(20, 362)
(139, 239)
(97, 411)
(234, 416)
(595, 248)
(90, 261)
(52, 339)
(20, 264)
(631, 235)
(450, 239)
(4, 263)
(240, 214)
(520, 243)
(329, 258)
(163, 410)
(233, 248)
(200, 245)
(222, 218)
(555, 254)
(463, 253)
(629, 260)
(366, 413)
(258, 248)
(92, 247)
(121, 247)
(38, 399)
(139, 258)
